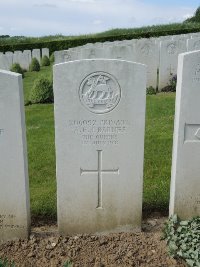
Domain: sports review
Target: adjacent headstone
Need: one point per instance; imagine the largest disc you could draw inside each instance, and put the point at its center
(99, 123)
(14, 186)
(45, 52)
(148, 54)
(24, 59)
(36, 54)
(185, 181)
(169, 51)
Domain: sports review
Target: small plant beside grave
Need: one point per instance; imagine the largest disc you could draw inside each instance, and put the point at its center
(6, 263)
(35, 65)
(68, 264)
(45, 61)
(151, 90)
(183, 239)
(52, 59)
(17, 68)
(171, 87)
(42, 91)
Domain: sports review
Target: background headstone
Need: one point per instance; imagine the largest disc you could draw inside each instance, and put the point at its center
(14, 185)
(169, 51)
(36, 54)
(17, 56)
(45, 52)
(185, 181)
(147, 52)
(99, 123)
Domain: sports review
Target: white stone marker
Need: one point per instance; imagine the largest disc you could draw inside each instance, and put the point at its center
(16, 57)
(185, 181)
(45, 52)
(169, 51)
(14, 186)
(36, 54)
(4, 62)
(99, 124)
(29, 55)
(147, 52)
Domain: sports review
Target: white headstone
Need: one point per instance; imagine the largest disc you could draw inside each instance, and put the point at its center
(9, 56)
(169, 51)
(45, 52)
(148, 54)
(28, 53)
(17, 56)
(36, 54)
(5, 62)
(14, 186)
(99, 123)
(185, 182)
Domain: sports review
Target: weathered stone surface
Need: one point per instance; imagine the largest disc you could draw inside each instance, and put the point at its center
(17, 56)
(185, 182)
(169, 51)
(14, 186)
(99, 123)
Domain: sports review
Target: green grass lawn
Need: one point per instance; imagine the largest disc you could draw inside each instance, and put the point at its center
(41, 151)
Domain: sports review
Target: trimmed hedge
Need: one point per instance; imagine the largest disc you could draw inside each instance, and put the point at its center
(79, 41)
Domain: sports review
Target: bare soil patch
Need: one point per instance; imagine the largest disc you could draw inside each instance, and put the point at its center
(46, 248)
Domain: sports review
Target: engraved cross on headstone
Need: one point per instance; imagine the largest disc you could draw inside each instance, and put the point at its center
(100, 171)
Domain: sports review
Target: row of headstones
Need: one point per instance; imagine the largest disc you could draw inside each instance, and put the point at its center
(159, 54)
(23, 58)
(99, 133)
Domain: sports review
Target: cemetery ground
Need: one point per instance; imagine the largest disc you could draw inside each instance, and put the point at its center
(45, 247)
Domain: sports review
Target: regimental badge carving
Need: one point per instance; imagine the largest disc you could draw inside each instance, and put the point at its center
(100, 92)
(196, 45)
(146, 50)
(171, 48)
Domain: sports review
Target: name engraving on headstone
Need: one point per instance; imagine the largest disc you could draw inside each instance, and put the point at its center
(100, 171)
(1, 131)
(99, 132)
(192, 133)
(6, 222)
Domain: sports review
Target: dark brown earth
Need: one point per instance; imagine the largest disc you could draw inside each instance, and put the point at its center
(46, 248)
